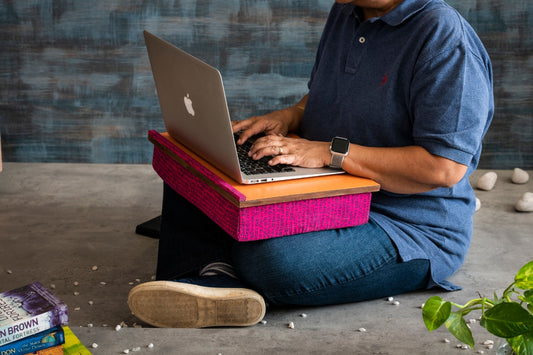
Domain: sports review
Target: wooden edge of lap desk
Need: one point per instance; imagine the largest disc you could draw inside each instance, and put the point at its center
(273, 192)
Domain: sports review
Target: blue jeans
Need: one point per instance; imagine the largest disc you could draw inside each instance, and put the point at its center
(316, 268)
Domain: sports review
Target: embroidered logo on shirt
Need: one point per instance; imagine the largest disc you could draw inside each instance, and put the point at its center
(384, 80)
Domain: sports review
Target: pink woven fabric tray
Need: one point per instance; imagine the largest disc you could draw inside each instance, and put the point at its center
(217, 199)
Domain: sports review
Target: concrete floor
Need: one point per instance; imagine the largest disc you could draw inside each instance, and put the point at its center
(57, 221)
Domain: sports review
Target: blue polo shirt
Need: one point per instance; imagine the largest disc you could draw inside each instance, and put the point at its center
(418, 75)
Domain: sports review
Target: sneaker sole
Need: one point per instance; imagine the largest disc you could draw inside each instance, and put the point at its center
(168, 304)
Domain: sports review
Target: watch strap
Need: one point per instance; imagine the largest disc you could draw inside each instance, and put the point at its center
(336, 160)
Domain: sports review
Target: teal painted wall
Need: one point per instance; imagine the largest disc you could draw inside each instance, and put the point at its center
(76, 86)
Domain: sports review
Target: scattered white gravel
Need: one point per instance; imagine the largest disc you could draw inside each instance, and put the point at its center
(519, 176)
(487, 181)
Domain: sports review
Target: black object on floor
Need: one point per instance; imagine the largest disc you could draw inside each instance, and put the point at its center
(150, 228)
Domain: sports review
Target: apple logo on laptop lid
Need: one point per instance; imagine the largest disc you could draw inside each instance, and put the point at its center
(188, 104)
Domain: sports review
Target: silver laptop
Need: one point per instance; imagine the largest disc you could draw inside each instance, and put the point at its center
(195, 113)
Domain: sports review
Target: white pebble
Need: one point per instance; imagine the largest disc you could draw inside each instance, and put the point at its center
(422, 305)
(361, 330)
(76, 293)
(94, 345)
(94, 268)
(75, 283)
(472, 321)
(478, 204)
(519, 176)
(487, 181)
(118, 327)
(290, 325)
(150, 346)
(525, 204)
(52, 286)
(390, 299)
(126, 351)
(263, 322)
(77, 308)
(103, 283)
(446, 340)
(90, 302)
(138, 280)
(131, 283)
(488, 342)
(303, 315)
(137, 348)
(480, 352)
(490, 346)
(459, 346)
(90, 325)
(396, 303)
(9, 271)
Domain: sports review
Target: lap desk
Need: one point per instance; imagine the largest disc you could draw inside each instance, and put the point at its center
(262, 211)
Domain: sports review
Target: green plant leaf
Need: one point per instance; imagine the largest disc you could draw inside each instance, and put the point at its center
(507, 320)
(457, 326)
(436, 312)
(524, 277)
(522, 344)
(527, 297)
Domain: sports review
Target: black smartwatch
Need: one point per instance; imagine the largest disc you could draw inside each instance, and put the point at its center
(339, 148)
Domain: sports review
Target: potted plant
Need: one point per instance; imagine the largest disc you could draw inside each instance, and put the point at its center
(509, 317)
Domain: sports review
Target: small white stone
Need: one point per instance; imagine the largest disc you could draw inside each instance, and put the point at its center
(94, 268)
(465, 347)
(396, 303)
(422, 305)
(131, 283)
(478, 204)
(525, 204)
(390, 299)
(75, 283)
(490, 346)
(488, 342)
(480, 352)
(303, 315)
(519, 176)
(361, 330)
(52, 286)
(77, 308)
(126, 351)
(446, 340)
(137, 348)
(459, 346)
(9, 271)
(118, 327)
(263, 321)
(94, 345)
(150, 346)
(76, 293)
(90, 325)
(487, 181)
(90, 302)
(472, 321)
(138, 280)
(103, 283)
(290, 325)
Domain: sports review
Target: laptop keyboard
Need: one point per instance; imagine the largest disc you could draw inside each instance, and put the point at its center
(250, 166)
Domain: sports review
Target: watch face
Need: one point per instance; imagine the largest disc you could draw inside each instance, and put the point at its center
(340, 145)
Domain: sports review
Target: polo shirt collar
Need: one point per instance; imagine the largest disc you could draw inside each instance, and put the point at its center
(398, 15)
